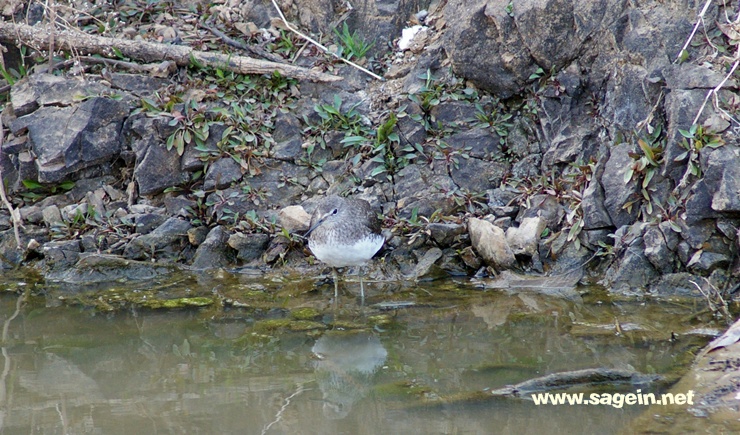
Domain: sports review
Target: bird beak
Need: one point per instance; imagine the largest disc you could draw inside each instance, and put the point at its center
(316, 225)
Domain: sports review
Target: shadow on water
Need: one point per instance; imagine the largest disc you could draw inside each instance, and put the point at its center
(244, 355)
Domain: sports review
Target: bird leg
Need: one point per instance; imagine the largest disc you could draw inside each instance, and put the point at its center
(362, 288)
(335, 276)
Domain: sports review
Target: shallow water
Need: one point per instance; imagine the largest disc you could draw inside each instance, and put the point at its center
(278, 358)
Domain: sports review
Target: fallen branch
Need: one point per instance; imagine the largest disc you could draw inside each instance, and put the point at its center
(15, 215)
(563, 380)
(40, 36)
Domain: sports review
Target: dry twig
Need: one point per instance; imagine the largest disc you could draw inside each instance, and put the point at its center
(39, 35)
(318, 44)
(15, 215)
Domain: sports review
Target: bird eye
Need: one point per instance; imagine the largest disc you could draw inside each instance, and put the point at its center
(334, 211)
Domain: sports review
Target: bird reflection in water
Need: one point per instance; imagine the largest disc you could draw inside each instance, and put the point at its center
(345, 364)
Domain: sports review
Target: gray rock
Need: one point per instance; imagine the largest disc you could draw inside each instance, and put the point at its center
(728, 228)
(592, 238)
(629, 101)
(453, 112)
(52, 216)
(214, 252)
(166, 242)
(676, 285)
(249, 246)
(669, 235)
(15, 145)
(476, 175)
(197, 235)
(699, 203)
(504, 212)
(410, 195)
(279, 184)
(412, 132)
(500, 197)
(657, 250)
(192, 159)
(527, 167)
(96, 205)
(156, 168)
(698, 233)
(485, 46)
(147, 222)
(61, 254)
(503, 222)
(490, 242)
(91, 136)
(595, 215)
(727, 196)
(445, 234)
(222, 173)
(683, 249)
(632, 273)
(546, 207)
(680, 108)
(704, 262)
(616, 192)
(179, 205)
(470, 258)
(287, 137)
(98, 268)
(426, 268)
(27, 169)
(39, 90)
(32, 214)
(479, 143)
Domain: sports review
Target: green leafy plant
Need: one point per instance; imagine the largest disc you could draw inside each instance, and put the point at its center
(38, 191)
(646, 164)
(352, 45)
(12, 75)
(333, 117)
(694, 140)
(469, 202)
(496, 120)
(448, 155)
(192, 127)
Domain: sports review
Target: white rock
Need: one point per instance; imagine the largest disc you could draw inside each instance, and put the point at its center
(525, 238)
(294, 218)
(407, 35)
(490, 243)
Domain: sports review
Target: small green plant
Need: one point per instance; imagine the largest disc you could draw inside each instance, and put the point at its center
(509, 9)
(333, 117)
(38, 191)
(192, 127)
(11, 75)
(448, 155)
(646, 164)
(694, 140)
(385, 140)
(495, 119)
(469, 202)
(351, 45)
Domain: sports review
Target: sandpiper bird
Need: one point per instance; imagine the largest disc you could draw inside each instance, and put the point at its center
(344, 232)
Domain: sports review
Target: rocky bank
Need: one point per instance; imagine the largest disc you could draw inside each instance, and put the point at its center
(543, 136)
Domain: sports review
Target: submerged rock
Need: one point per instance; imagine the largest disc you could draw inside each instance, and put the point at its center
(97, 268)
